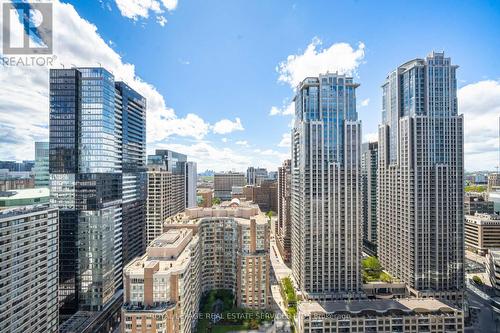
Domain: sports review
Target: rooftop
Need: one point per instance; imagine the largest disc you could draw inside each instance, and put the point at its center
(167, 252)
(408, 305)
(30, 193)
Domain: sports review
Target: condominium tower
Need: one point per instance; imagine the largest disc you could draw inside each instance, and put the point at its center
(96, 156)
(326, 188)
(170, 180)
(369, 161)
(283, 229)
(420, 184)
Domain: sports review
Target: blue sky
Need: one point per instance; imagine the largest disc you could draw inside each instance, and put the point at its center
(217, 61)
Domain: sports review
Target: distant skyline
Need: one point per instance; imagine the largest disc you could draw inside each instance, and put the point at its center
(219, 77)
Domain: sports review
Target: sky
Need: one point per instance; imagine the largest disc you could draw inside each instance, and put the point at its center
(219, 76)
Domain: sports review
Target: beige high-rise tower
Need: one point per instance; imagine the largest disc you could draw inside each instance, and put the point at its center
(420, 184)
(326, 189)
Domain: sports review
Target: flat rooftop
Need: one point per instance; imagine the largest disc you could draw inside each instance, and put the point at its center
(409, 305)
(169, 251)
(29, 193)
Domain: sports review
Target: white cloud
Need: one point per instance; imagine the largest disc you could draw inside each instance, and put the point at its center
(480, 104)
(24, 94)
(242, 143)
(365, 102)
(285, 110)
(286, 140)
(274, 111)
(136, 9)
(224, 140)
(339, 57)
(225, 126)
(370, 137)
(210, 157)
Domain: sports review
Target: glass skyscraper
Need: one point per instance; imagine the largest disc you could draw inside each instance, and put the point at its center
(87, 180)
(326, 192)
(134, 181)
(41, 168)
(420, 181)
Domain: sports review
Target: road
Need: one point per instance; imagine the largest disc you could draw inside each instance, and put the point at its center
(279, 271)
(484, 319)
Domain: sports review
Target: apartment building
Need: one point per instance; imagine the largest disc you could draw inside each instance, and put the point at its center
(29, 247)
(166, 197)
(202, 249)
(421, 178)
(283, 228)
(326, 189)
(162, 288)
(235, 245)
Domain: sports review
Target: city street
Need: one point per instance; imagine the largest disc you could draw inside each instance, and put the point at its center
(279, 271)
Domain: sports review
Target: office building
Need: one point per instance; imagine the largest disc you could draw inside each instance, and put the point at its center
(402, 315)
(96, 156)
(255, 176)
(29, 270)
(134, 178)
(283, 230)
(41, 168)
(477, 203)
(369, 162)
(14, 166)
(482, 232)
(224, 182)
(326, 189)
(202, 249)
(421, 179)
(191, 183)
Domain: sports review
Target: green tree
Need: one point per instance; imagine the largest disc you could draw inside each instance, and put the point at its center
(270, 214)
(477, 280)
(216, 201)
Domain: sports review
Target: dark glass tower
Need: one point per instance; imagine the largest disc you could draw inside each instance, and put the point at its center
(87, 159)
(132, 107)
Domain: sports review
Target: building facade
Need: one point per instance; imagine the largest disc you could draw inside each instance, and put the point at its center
(493, 268)
(421, 177)
(96, 132)
(283, 230)
(134, 178)
(265, 195)
(255, 176)
(482, 232)
(326, 189)
(29, 245)
(403, 315)
(41, 168)
(225, 247)
(224, 182)
(191, 183)
(369, 166)
(166, 197)
(477, 203)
